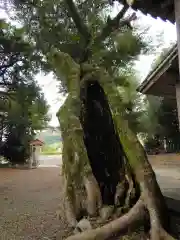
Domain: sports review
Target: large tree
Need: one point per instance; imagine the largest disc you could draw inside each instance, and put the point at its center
(28, 113)
(23, 107)
(88, 51)
(16, 58)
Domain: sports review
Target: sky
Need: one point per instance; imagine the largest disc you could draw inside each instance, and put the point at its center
(167, 32)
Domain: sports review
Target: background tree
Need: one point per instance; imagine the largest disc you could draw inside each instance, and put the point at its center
(166, 130)
(28, 113)
(133, 102)
(22, 100)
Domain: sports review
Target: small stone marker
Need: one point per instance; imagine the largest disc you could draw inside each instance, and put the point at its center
(82, 226)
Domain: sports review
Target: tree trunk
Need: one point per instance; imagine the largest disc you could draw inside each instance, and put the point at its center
(116, 157)
(105, 151)
(102, 142)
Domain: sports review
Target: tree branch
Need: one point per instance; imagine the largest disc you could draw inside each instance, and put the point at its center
(82, 28)
(111, 26)
(114, 24)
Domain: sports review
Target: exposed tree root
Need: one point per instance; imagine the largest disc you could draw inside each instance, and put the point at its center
(156, 206)
(164, 235)
(121, 225)
(115, 227)
(94, 201)
(121, 193)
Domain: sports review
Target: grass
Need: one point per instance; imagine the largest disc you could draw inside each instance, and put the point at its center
(4, 165)
(50, 153)
(52, 149)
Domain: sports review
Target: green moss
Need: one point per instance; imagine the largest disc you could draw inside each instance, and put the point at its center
(74, 154)
(131, 145)
(66, 68)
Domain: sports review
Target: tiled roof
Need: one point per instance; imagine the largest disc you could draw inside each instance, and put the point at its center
(163, 9)
(160, 68)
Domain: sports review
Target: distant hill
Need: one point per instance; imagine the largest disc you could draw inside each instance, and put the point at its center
(50, 135)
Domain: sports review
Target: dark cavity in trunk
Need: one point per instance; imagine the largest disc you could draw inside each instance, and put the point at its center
(101, 140)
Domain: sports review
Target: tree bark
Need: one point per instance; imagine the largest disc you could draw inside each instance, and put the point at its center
(139, 163)
(114, 228)
(103, 138)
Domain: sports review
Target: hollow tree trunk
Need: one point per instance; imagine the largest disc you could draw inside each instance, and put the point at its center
(103, 139)
(103, 166)
(102, 142)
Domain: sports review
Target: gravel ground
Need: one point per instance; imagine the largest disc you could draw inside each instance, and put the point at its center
(166, 164)
(29, 200)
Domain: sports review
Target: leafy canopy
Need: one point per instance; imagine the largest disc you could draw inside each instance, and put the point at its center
(21, 99)
(85, 30)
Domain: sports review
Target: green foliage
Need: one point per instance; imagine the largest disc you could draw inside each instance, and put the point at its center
(25, 108)
(18, 61)
(17, 54)
(133, 104)
(29, 106)
(163, 125)
(49, 140)
(162, 118)
(16, 147)
(28, 113)
(50, 135)
(51, 149)
(51, 26)
(168, 120)
(48, 24)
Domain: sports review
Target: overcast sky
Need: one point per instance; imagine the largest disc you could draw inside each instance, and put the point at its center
(50, 86)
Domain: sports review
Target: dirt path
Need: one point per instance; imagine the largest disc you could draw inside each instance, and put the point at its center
(28, 204)
(29, 200)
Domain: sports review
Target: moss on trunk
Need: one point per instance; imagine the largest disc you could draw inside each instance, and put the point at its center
(96, 140)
